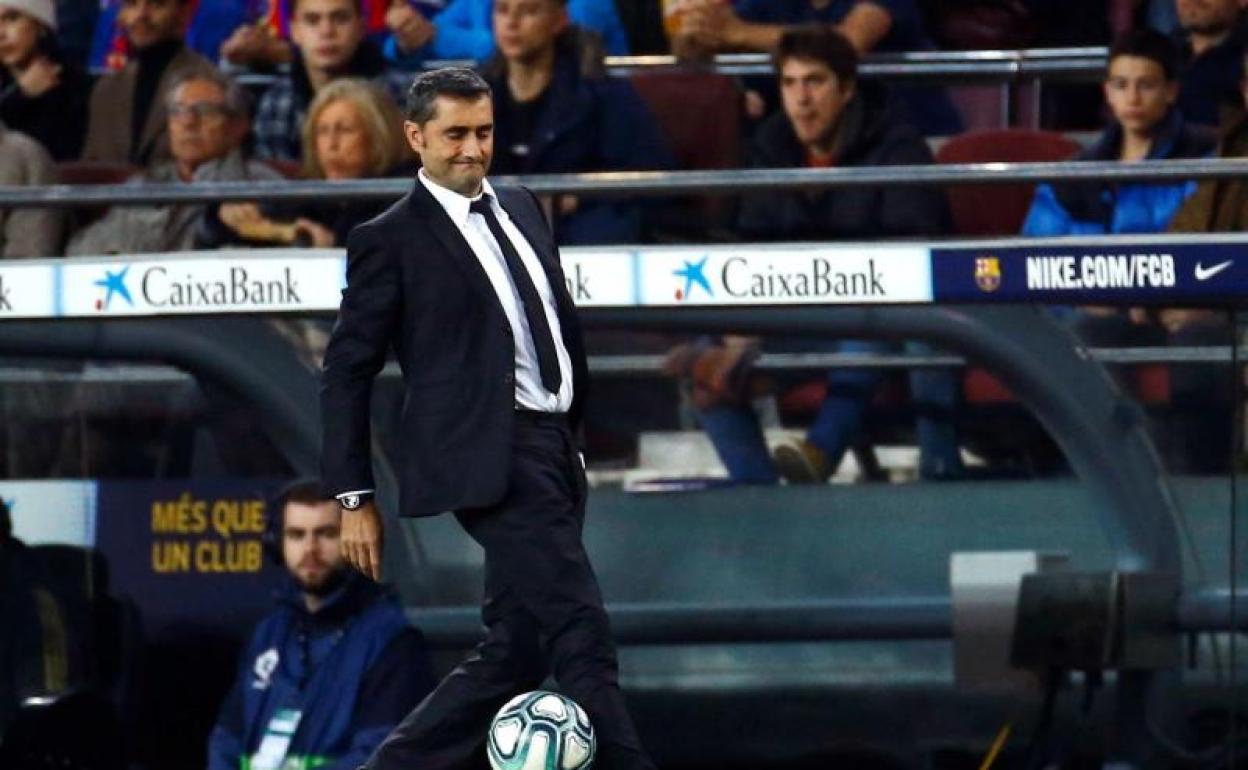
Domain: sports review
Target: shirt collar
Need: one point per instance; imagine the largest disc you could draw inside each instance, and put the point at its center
(456, 205)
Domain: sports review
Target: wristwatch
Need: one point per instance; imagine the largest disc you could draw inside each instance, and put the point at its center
(355, 500)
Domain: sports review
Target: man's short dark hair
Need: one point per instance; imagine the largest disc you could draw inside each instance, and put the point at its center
(1148, 44)
(459, 82)
(303, 492)
(821, 43)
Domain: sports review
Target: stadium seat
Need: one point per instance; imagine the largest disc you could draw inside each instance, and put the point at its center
(984, 210)
(289, 169)
(700, 114)
(84, 172)
(89, 172)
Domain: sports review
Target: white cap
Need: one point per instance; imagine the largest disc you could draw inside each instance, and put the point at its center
(42, 10)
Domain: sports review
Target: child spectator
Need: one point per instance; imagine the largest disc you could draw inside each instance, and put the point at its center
(1141, 89)
(331, 43)
(43, 93)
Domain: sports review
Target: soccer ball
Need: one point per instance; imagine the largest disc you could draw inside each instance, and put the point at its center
(541, 731)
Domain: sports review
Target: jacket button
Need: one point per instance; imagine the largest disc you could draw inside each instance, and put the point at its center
(509, 379)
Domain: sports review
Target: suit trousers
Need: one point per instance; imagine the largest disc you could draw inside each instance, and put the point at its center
(543, 614)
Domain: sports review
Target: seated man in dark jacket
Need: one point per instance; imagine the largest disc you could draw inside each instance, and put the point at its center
(832, 119)
(555, 111)
(330, 672)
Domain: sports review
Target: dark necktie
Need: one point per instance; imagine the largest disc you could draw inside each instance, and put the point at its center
(534, 311)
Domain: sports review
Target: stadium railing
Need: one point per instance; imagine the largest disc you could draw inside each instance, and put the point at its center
(643, 183)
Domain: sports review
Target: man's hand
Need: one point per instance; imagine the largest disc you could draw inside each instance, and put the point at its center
(411, 29)
(362, 539)
(253, 45)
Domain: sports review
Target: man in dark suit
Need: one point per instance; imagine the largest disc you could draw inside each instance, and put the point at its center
(463, 279)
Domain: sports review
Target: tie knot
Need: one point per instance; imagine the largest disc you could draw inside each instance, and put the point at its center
(481, 206)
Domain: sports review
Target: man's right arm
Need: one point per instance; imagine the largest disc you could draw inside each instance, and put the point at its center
(367, 320)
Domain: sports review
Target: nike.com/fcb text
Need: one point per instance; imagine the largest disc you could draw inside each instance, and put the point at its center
(1101, 271)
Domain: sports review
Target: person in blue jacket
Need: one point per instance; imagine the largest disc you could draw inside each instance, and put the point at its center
(1141, 88)
(330, 672)
(557, 112)
(465, 31)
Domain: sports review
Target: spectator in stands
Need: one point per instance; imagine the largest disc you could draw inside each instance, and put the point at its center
(353, 131)
(330, 42)
(1141, 87)
(556, 111)
(75, 28)
(1221, 205)
(27, 232)
(1215, 33)
(465, 30)
(207, 122)
(1200, 435)
(830, 118)
(127, 121)
(43, 94)
(712, 26)
(402, 26)
(336, 657)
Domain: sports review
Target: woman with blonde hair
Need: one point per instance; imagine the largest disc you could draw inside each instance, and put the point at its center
(353, 130)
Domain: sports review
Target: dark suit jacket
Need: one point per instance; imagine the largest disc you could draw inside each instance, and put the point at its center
(413, 283)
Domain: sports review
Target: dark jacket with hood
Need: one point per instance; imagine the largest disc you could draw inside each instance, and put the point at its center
(283, 107)
(585, 121)
(350, 671)
(1097, 208)
(56, 118)
(870, 133)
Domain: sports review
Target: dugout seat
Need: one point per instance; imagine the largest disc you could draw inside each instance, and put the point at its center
(700, 114)
(100, 633)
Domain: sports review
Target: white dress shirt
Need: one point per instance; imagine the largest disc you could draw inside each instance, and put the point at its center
(530, 393)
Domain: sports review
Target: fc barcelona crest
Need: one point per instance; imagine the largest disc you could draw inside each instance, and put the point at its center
(988, 273)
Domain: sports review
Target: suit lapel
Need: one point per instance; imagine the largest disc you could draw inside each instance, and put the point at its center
(453, 243)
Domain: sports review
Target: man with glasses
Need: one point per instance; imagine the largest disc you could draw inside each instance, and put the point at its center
(207, 122)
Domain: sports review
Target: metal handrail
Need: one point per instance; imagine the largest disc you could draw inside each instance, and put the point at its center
(994, 65)
(642, 183)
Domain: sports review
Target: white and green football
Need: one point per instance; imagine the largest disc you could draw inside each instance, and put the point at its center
(541, 730)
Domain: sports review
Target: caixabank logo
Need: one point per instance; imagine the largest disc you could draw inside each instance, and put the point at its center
(796, 276)
(194, 286)
(693, 275)
(113, 285)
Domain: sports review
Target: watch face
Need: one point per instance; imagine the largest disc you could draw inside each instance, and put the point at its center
(351, 502)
